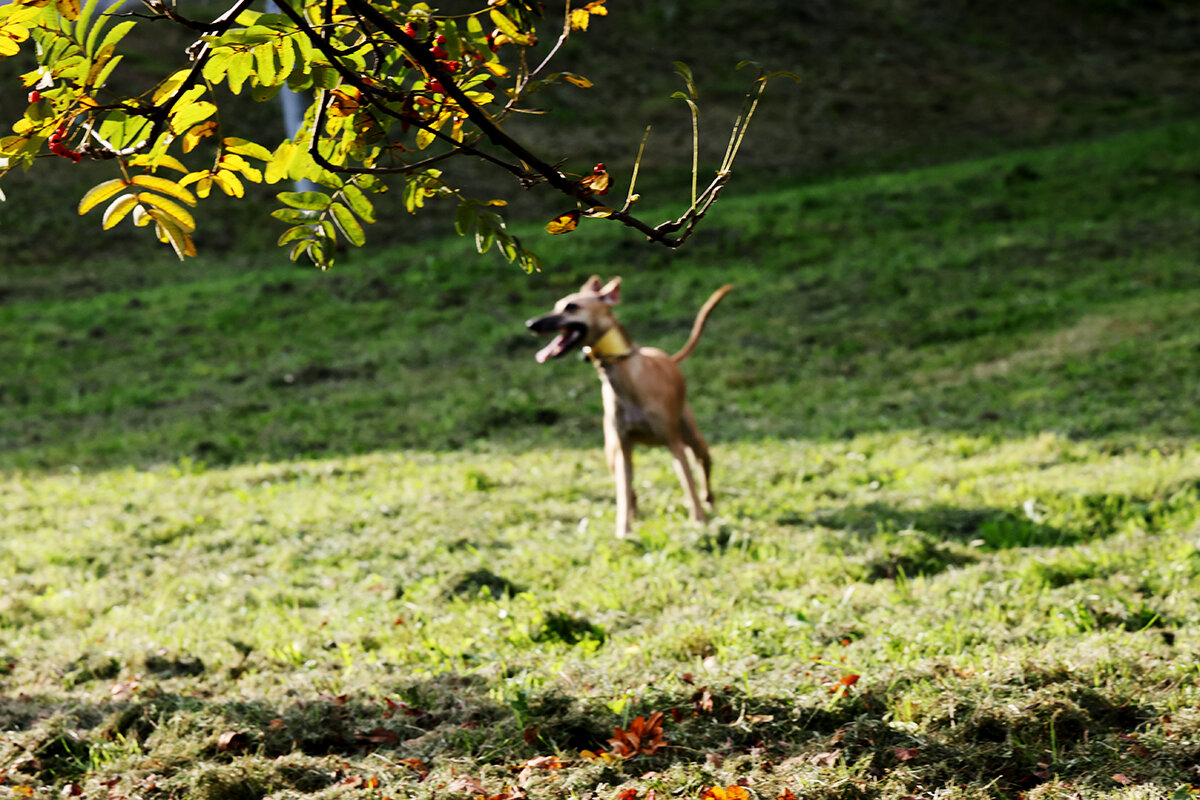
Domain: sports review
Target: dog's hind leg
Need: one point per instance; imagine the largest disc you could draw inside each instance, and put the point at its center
(684, 470)
(695, 441)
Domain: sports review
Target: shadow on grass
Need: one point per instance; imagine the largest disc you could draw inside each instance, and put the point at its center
(416, 732)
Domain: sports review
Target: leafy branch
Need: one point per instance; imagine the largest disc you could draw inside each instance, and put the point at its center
(397, 91)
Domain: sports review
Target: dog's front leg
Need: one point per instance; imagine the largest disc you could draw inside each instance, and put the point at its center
(620, 459)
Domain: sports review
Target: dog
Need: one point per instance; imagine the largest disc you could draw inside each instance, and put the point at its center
(645, 396)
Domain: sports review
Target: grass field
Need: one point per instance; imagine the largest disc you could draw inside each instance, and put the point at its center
(270, 531)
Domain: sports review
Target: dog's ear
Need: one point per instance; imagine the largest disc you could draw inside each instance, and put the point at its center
(592, 285)
(611, 292)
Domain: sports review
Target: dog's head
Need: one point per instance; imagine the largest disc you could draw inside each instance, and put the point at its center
(579, 319)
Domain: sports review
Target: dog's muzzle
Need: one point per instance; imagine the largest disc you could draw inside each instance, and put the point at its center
(570, 334)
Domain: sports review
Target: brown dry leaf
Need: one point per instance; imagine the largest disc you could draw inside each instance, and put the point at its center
(786, 794)
(645, 736)
(377, 736)
(416, 765)
(465, 785)
(598, 182)
(703, 700)
(827, 759)
(907, 753)
(230, 741)
(1122, 779)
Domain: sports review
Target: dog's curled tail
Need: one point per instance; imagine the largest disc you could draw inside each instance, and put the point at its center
(698, 325)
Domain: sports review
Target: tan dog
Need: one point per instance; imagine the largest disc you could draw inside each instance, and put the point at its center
(645, 397)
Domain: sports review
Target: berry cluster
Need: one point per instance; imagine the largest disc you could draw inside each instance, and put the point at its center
(61, 149)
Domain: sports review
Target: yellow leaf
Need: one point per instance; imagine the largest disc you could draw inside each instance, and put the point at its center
(229, 183)
(496, 68)
(166, 187)
(577, 80)
(168, 86)
(563, 223)
(68, 8)
(99, 193)
(117, 210)
(198, 132)
(163, 160)
(173, 211)
(172, 234)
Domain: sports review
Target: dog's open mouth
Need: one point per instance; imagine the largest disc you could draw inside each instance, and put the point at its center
(567, 338)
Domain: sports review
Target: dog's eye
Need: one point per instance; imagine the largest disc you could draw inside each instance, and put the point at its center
(569, 307)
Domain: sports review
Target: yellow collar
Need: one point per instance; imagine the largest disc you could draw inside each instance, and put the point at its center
(610, 348)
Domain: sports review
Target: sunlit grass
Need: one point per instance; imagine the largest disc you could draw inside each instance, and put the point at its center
(281, 532)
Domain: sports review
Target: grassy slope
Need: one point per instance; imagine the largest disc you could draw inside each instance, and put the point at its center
(954, 416)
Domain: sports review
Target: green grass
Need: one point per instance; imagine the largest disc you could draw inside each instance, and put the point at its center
(348, 518)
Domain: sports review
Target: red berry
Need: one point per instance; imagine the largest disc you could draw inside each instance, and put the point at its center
(441, 39)
(439, 53)
(35, 96)
(450, 66)
(599, 168)
(436, 87)
(410, 29)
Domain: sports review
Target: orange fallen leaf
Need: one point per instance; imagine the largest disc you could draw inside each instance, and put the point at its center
(1122, 779)
(728, 793)
(645, 736)
(907, 753)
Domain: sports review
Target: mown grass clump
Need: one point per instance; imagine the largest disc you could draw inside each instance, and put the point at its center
(345, 538)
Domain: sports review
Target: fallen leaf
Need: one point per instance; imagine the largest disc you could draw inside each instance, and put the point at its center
(416, 765)
(465, 785)
(786, 794)
(377, 736)
(645, 736)
(907, 753)
(230, 741)
(827, 759)
(1122, 779)
(728, 793)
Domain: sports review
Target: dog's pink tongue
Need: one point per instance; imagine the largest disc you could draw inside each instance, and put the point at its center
(550, 350)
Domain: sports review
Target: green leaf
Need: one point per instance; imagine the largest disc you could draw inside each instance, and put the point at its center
(294, 233)
(114, 36)
(293, 216)
(348, 224)
(485, 235)
(311, 201)
(85, 19)
(358, 202)
(464, 218)
(102, 76)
